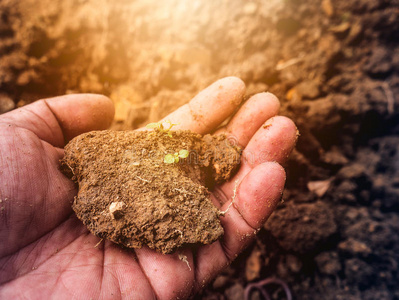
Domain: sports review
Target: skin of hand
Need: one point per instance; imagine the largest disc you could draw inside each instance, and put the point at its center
(46, 252)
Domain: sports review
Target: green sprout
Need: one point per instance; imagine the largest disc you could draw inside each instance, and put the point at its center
(159, 126)
(174, 158)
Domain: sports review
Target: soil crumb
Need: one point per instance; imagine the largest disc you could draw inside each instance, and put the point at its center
(129, 195)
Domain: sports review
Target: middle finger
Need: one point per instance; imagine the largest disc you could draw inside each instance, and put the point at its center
(257, 110)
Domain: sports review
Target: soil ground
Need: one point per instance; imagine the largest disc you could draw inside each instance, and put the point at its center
(333, 64)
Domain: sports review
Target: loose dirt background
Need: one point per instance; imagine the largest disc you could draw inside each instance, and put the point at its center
(333, 64)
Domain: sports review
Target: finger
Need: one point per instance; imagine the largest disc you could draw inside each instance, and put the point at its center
(77, 114)
(256, 198)
(273, 142)
(58, 120)
(210, 107)
(257, 110)
(171, 276)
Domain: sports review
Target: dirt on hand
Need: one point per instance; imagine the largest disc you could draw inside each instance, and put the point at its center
(149, 188)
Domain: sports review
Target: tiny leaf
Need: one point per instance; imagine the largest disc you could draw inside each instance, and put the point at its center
(170, 134)
(152, 125)
(170, 124)
(183, 153)
(176, 159)
(169, 159)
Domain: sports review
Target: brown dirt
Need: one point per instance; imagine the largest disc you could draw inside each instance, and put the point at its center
(333, 64)
(129, 195)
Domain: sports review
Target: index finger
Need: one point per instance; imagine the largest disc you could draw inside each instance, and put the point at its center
(210, 107)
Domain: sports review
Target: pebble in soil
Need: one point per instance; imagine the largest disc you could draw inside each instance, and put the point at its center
(129, 195)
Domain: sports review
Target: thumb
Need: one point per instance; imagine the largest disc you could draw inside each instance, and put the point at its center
(58, 120)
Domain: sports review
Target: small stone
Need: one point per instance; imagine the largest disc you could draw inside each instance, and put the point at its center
(116, 209)
(319, 187)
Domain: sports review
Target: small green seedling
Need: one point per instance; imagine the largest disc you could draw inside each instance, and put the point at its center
(159, 126)
(174, 158)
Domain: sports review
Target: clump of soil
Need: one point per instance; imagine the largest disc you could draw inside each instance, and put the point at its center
(129, 195)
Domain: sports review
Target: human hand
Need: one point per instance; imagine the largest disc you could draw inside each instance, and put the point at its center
(47, 252)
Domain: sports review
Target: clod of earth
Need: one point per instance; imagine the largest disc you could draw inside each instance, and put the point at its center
(129, 195)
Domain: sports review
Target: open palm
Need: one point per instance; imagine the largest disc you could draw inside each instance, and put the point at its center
(46, 252)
